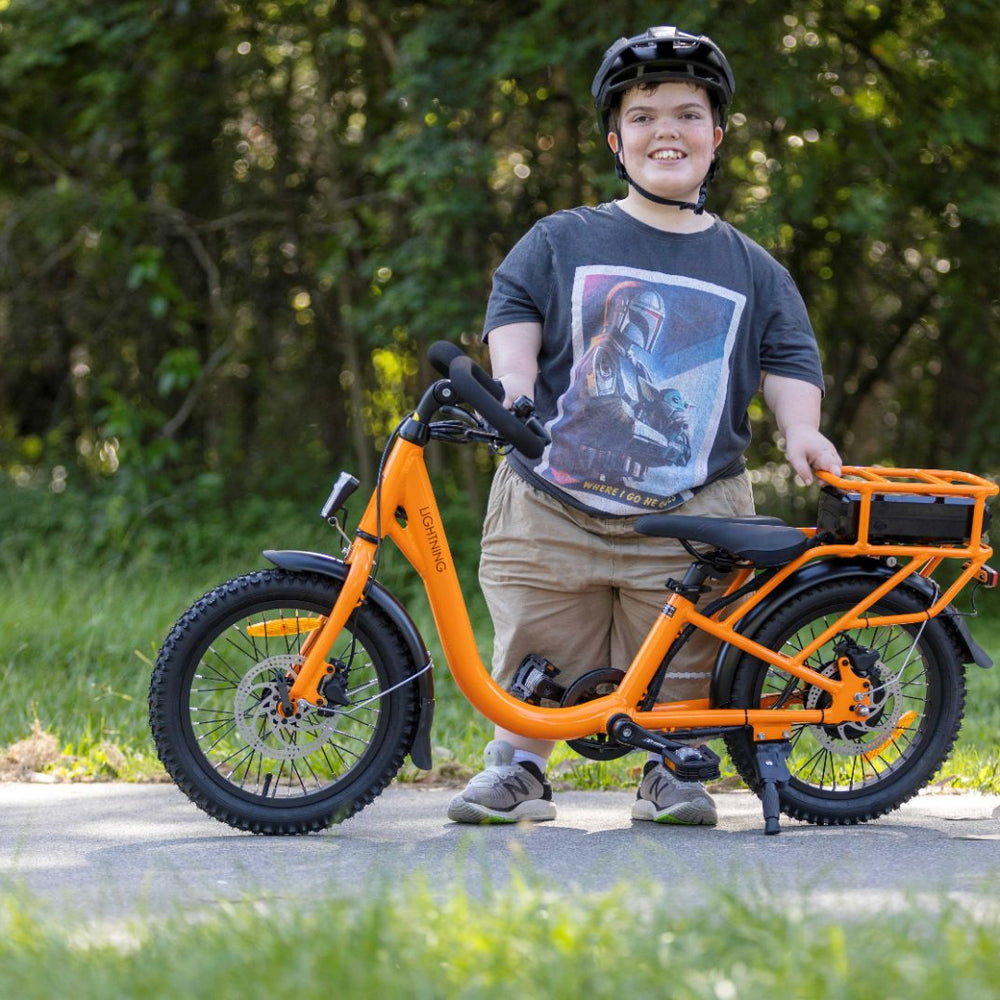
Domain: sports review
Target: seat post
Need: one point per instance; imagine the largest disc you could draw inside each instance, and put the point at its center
(693, 584)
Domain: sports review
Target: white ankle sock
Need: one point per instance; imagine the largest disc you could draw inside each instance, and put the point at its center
(539, 762)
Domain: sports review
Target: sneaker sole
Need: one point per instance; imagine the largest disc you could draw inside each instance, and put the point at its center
(681, 814)
(537, 811)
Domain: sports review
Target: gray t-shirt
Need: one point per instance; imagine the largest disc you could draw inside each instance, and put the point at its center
(653, 345)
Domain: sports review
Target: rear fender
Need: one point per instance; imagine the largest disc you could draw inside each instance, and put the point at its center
(823, 571)
(337, 569)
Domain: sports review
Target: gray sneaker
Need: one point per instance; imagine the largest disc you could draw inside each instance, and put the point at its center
(504, 792)
(662, 798)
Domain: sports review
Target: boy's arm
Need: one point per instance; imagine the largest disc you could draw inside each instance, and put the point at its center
(514, 358)
(795, 404)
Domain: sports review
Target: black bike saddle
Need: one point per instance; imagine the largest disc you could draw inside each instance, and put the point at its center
(764, 541)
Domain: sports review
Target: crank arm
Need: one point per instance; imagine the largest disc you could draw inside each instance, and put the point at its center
(687, 763)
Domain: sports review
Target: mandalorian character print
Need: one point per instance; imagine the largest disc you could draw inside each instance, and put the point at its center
(647, 389)
(633, 419)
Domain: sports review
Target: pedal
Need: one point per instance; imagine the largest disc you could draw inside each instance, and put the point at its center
(685, 762)
(689, 763)
(533, 681)
(772, 766)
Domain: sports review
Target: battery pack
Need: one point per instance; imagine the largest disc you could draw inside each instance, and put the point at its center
(899, 518)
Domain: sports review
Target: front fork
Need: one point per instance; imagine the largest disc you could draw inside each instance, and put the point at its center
(315, 670)
(404, 486)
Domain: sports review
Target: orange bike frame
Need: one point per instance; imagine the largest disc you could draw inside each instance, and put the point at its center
(405, 510)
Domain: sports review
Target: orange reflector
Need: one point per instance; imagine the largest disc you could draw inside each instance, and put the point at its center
(283, 626)
(905, 721)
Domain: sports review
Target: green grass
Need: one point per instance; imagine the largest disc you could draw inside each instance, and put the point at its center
(525, 940)
(78, 636)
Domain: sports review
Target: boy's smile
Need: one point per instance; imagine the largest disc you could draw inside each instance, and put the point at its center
(668, 137)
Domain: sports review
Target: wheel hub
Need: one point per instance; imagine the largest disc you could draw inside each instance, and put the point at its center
(265, 725)
(885, 709)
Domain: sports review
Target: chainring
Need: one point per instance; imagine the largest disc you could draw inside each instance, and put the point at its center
(593, 685)
(258, 719)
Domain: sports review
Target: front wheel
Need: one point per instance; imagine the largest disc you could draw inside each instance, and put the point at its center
(857, 771)
(215, 702)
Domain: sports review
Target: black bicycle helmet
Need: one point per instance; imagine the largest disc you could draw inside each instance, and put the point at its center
(656, 56)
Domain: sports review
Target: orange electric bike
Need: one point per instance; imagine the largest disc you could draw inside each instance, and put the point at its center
(288, 698)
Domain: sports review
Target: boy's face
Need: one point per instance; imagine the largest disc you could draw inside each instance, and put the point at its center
(668, 138)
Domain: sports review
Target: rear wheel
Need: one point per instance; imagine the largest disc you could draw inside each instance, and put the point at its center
(857, 771)
(215, 701)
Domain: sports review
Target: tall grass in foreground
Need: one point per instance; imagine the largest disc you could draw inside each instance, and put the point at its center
(523, 940)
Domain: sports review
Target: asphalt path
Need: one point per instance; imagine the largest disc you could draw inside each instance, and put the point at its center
(117, 850)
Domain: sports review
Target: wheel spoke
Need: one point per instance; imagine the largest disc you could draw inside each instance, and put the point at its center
(220, 723)
(239, 727)
(868, 765)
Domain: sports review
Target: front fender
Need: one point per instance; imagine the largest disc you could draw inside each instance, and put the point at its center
(337, 569)
(823, 571)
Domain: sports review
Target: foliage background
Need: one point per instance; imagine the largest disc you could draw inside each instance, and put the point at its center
(228, 230)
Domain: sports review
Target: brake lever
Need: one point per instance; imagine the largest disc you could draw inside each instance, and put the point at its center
(463, 427)
(457, 413)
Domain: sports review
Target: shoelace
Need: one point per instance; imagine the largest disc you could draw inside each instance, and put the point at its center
(495, 773)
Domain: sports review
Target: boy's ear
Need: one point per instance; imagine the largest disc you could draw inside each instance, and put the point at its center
(613, 142)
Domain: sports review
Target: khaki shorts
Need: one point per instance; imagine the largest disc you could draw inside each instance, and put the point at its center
(583, 591)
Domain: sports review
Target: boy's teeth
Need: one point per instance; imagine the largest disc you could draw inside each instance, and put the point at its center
(669, 154)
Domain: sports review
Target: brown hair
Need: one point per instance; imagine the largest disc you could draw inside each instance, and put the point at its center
(649, 87)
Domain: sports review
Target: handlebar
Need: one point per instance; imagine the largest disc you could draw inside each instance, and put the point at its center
(475, 387)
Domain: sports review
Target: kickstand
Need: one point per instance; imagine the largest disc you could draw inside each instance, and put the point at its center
(772, 766)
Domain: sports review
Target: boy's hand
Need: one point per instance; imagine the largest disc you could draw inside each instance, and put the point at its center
(795, 404)
(807, 449)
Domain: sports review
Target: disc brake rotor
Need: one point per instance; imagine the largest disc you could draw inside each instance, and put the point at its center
(264, 727)
(855, 737)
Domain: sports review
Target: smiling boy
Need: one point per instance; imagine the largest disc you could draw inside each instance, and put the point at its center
(642, 329)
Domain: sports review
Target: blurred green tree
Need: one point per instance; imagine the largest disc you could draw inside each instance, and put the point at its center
(228, 230)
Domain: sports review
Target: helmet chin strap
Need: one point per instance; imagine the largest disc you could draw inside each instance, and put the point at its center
(698, 207)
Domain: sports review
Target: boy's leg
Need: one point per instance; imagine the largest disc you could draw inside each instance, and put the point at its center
(543, 585)
(641, 590)
(583, 592)
(661, 797)
(545, 580)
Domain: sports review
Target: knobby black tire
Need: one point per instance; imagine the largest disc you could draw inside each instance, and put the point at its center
(214, 683)
(854, 774)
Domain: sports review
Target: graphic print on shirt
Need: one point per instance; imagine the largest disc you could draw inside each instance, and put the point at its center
(634, 430)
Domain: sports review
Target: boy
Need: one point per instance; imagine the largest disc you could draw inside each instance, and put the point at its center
(642, 329)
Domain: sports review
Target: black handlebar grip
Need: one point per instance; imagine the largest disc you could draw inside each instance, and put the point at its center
(470, 387)
(442, 353)
(486, 394)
